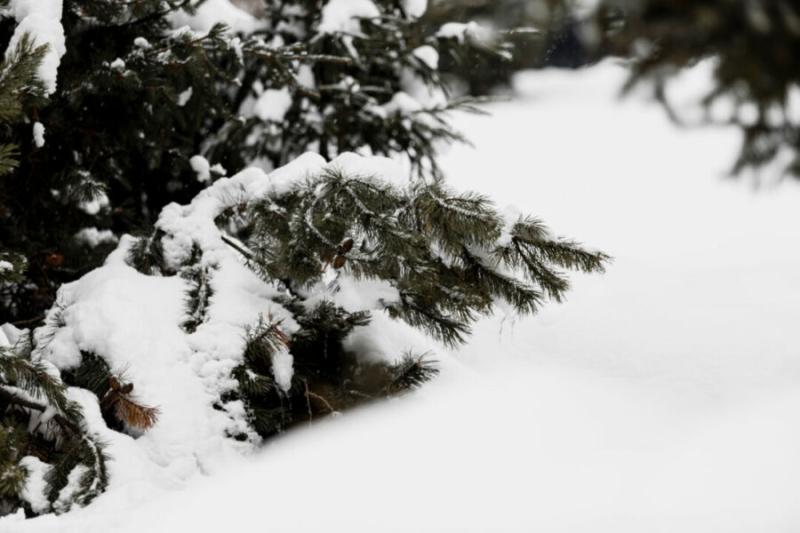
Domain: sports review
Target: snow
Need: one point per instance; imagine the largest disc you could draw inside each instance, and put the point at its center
(35, 486)
(343, 16)
(184, 97)
(95, 205)
(456, 30)
(201, 167)
(9, 335)
(387, 169)
(38, 134)
(661, 396)
(273, 104)
(428, 55)
(42, 20)
(93, 237)
(5, 266)
(283, 369)
(211, 12)
(415, 8)
(63, 503)
(402, 103)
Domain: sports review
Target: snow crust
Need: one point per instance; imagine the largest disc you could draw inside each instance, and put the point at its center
(41, 19)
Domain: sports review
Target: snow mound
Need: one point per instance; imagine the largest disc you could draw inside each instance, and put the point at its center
(136, 323)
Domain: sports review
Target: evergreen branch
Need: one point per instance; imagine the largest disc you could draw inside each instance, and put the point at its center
(9, 156)
(442, 327)
(410, 373)
(247, 254)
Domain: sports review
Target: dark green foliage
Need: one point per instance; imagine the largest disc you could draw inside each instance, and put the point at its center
(198, 296)
(344, 108)
(119, 131)
(18, 83)
(327, 378)
(18, 87)
(62, 442)
(92, 374)
(410, 372)
(147, 254)
(14, 273)
(14, 441)
(121, 412)
(517, 35)
(756, 66)
(442, 251)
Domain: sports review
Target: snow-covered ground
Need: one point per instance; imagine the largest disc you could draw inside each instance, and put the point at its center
(663, 396)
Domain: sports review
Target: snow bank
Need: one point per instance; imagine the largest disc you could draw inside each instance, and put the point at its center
(662, 396)
(135, 322)
(516, 450)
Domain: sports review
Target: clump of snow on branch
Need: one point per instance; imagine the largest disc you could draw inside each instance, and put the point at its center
(212, 12)
(344, 16)
(428, 55)
(134, 322)
(38, 134)
(416, 8)
(273, 104)
(93, 237)
(41, 19)
(201, 167)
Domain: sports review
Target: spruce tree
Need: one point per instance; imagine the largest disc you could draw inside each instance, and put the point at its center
(139, 107)
(43, 434)
(443, 258)
(138, 134)
(752, 46)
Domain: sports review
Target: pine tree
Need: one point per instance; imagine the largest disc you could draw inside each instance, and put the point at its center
(136, 101)
(144, 123)
(41, 425)
(18, 85)
(755, 65)
(521, 34)
(445, 259)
